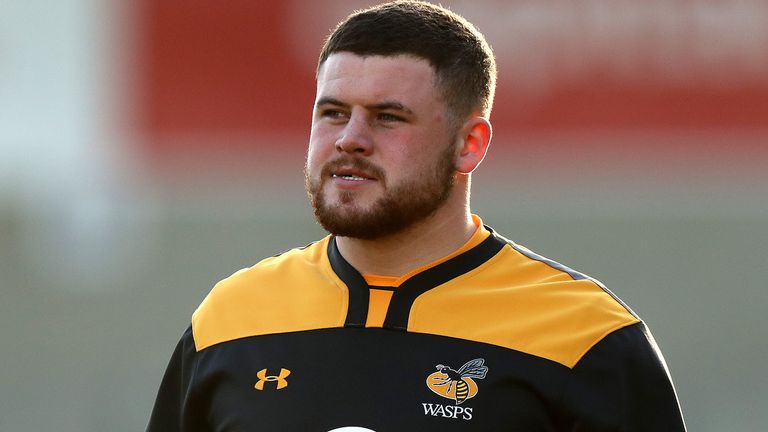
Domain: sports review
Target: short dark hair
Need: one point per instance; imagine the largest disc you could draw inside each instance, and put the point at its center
(462, 59)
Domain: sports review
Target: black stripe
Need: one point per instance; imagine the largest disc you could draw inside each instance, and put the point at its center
(357, 311)
(382, 288)
(408, 291)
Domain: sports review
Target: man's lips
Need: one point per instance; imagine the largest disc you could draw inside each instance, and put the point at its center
(352, 174)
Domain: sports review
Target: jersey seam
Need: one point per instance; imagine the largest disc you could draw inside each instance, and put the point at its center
(577, 359)
(573, 274)
(309, 329)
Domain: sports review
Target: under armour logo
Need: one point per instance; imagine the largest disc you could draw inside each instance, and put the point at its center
(263, 377)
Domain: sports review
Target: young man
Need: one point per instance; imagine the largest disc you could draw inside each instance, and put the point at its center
(411, 315)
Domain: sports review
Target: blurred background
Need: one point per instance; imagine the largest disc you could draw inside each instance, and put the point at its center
(150, 148)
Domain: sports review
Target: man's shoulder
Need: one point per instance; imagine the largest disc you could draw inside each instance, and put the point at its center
(524, 301)
(251, 301)
(533, 275)
(283, 267)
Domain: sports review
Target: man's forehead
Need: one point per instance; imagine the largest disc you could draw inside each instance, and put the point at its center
(375, 75)
(345, 64)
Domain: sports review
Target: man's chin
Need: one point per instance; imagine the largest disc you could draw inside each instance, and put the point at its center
(347, 220)
(353, 201)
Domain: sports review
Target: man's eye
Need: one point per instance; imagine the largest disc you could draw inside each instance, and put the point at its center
(333, 114)
(390, 117)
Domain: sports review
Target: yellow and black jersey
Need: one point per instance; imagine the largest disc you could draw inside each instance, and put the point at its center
(490, 338)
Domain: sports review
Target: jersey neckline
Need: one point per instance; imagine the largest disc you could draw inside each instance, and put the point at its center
(411, 288)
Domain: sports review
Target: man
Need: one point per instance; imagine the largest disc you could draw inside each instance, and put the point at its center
(411, 315)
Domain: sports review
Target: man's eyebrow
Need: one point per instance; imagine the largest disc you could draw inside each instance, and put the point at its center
(325, 100)
(386, 105)
(390, 105)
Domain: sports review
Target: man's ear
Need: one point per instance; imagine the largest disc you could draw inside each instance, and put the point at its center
(475, 136)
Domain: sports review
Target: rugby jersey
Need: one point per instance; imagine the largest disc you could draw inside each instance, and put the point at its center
(490, 338)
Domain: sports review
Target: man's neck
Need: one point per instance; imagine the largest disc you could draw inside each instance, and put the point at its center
(420, 244)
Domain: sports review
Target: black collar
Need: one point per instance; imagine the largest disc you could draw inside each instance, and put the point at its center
(408, 291)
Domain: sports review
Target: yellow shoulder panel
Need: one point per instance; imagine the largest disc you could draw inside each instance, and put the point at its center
(291, 292)
(523, 304)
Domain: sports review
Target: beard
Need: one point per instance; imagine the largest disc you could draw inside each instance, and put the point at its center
(400, 207)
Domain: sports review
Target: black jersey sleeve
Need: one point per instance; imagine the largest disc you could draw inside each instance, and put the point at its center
(622, 384)
(175, 409)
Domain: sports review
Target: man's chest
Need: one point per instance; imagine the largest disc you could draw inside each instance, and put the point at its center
(381, 380)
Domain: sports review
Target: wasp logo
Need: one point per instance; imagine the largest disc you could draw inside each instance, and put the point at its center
(263, 378)
(458, 385)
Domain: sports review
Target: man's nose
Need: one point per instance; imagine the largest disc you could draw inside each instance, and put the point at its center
(356, 137)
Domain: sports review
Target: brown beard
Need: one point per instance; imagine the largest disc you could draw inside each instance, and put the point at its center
(401, 206)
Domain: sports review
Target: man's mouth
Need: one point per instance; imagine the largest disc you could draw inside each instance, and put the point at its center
(349, 177)
(351, 174)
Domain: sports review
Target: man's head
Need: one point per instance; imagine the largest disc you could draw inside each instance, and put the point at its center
(400, 119)
(458, 52)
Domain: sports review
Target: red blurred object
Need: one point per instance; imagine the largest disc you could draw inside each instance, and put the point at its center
(211, 69)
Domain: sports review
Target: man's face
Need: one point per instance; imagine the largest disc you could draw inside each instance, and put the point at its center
(381, 154)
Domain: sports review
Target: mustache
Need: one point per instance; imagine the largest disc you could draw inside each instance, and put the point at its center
(355, 163)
